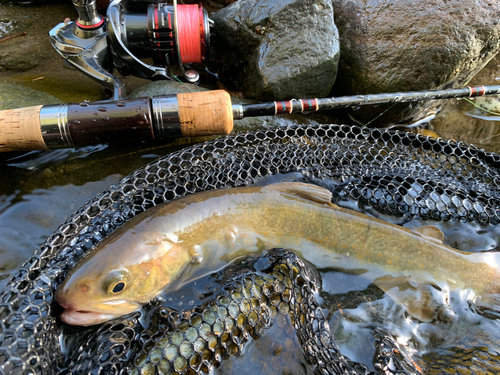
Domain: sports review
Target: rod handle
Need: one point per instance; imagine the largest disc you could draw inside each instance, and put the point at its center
(20, 129)
(205, 113)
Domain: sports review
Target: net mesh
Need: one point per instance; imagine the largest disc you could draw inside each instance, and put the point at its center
(395, 173)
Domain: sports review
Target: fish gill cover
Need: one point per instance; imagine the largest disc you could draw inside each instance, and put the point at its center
(395, 173)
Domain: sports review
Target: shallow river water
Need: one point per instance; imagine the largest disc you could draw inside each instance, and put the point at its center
(39, 190)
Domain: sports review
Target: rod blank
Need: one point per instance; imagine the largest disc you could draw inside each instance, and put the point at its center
(165, 117)
(311, 105)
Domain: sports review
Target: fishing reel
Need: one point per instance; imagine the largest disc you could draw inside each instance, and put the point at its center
(148, 39)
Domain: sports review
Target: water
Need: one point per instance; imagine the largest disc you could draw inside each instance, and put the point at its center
(39, 190)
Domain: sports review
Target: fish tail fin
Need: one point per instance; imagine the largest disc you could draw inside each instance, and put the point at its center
(302, 190)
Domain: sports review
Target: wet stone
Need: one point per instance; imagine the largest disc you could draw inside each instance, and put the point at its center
(209, 317)
(165, 366)
(180, 364)
(186, 349)
(191, 334)
(303, 64)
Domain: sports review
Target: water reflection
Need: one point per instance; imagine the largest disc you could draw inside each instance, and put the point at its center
(40, 189)
(461, 120)
(27, 223)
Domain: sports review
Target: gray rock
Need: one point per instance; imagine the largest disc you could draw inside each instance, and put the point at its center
(277, 49)
(26, 52)
(163, 88)
(16, 96)
(404, 45)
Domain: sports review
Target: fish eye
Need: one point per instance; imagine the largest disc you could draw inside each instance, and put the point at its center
(116, 282)
(118, 287)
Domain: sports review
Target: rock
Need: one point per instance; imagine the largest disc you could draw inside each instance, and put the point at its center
(163, 88)
(25, 52)
(405, 45)
(16, 96)
(277, 49)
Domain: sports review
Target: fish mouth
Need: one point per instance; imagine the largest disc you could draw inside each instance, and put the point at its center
(75, 317)
(84, 318)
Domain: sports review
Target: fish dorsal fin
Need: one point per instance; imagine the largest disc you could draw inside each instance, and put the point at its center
(430, 232)
(310, 192)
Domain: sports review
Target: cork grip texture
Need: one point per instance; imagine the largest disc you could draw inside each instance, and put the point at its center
(20, 130)
(205, 113)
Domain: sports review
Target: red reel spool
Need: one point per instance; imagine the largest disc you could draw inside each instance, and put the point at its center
(191, 33)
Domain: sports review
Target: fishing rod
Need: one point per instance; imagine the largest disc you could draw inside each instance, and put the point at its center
(162, 118)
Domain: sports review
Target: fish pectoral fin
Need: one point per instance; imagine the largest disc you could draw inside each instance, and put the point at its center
(430, 232)
(416, 298)
(310, 192)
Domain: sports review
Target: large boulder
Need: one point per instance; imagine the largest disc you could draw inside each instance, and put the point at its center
(404, 45)
(277, 49)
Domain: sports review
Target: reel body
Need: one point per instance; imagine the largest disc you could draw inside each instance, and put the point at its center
(145, 39)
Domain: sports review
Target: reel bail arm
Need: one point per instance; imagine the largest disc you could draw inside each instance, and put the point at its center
(132, 33)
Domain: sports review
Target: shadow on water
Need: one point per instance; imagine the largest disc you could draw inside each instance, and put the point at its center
(464, 121)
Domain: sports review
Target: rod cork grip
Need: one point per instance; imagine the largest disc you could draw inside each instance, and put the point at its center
(20, 130)
(205, 113)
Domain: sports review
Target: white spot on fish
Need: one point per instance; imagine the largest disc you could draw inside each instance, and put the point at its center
(172, 237)
(233, 233)
(196, 256)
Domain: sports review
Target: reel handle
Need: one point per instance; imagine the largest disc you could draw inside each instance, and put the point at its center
(130, 120)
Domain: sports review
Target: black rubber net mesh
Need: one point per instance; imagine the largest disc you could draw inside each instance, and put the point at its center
(395, 173)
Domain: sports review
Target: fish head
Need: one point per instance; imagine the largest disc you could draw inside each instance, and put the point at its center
(119, 279)
(93, 299)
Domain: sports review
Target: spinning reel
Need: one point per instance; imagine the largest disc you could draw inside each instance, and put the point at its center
(144, 38)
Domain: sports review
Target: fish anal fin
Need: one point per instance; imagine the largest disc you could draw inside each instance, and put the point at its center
(429, 232)
(416, 298)
(302, 190)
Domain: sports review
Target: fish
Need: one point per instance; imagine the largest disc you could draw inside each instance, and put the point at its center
(207, 230)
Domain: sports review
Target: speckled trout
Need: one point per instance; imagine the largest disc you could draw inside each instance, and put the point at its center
(140, 259)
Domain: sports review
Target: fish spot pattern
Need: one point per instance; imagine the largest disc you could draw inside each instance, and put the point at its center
(394, 173)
